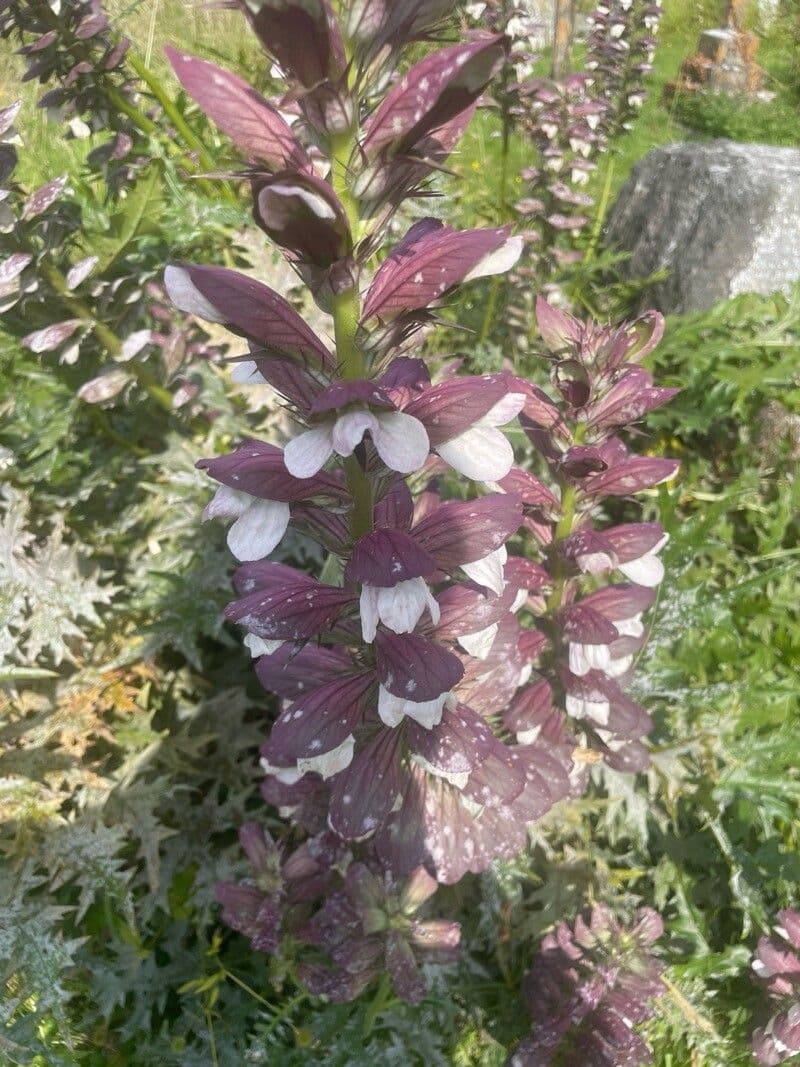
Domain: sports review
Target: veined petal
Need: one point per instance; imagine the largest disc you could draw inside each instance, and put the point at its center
(488, 571)
(481, 453)
(401, 441)
(368, 609)
(307, 454)
(400, 607)
(392, 709)
(349, 429)
(329, 763)
(479, 644)
(259, 530)
(648, 570)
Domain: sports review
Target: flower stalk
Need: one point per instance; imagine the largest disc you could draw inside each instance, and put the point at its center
(438, 701)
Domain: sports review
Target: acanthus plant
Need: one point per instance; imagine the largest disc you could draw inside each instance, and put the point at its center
(415, 742)
(776, 966)
(590, 985)
(619, 56)
(572, 123)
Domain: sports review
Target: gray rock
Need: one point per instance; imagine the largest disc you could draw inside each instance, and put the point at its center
(721, 217)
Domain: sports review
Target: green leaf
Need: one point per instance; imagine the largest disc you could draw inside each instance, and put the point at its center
(139, 213)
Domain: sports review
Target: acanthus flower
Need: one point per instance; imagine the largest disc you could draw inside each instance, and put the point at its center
(776, 967)
(394, 673)
(589, 986)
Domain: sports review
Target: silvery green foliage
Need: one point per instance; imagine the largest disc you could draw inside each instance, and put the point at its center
(50, 591)
(35, 955)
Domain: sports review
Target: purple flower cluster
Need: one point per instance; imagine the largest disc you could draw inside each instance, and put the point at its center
(562, 120)
(359, 923)
(412, 726)
(591, 632)
(589, 986)
(777, 969)
(571, 123)
(620, 50)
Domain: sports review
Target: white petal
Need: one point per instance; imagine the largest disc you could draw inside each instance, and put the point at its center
(527, 737)
(319, 206)
(585, 658)
(287, 775)
(595, 562)
(349, 429)
(247, 373)
(401, 441)
(257, 646)
(504, 410)
(433, 607)
(617, 667)
(647, 570)
(632, 627)
(499, 261)
(256, 533)
(481, 453)
(488, 571)
(520, 600)
(593, 709)
(307, 454)
(401, 606)
(187, 297)
(479, 644)
(330, 763)
(369, 612)
(456, 778)
(227, 503)
(392, 710)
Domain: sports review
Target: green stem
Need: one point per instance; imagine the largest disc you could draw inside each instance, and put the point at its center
(248, 989)
(171, 111)
(563, 529)
(148, 127)
(379, 1001)
(566, 524)
(107, 337)
(284, 1013)
(503, 215)
(602, 209)
(342, 147)
(346, 315)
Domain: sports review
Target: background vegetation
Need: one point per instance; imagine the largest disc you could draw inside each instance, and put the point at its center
(129, 719)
